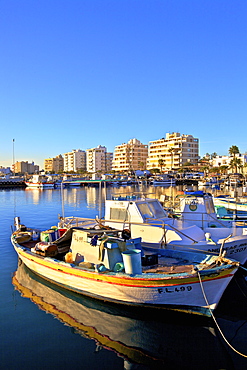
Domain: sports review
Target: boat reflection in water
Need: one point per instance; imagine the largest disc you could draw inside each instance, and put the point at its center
(144, 339)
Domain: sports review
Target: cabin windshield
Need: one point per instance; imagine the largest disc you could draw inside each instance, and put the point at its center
(209, 206)
(151, 210)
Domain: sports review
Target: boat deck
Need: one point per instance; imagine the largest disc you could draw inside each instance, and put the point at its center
(161, 264)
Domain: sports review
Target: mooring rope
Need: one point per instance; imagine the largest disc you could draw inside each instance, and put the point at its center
(243, 268)
(204, 295)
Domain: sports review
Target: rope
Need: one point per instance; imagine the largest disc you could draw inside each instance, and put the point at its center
(217, 325)
(243, 268)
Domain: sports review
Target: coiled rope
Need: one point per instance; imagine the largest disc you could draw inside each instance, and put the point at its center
(204, 295)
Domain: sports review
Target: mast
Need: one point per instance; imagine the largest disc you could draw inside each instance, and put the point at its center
(14, 156)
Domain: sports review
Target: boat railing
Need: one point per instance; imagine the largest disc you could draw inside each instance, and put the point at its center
(85, 222)
(131, 195)
(203, 218)
(72, 221)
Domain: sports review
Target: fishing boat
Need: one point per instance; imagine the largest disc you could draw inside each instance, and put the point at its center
(139, 338)
(104, 264)
(196, 228)
(40, 182)
(208, 181)
(163, 180)
(238, 204)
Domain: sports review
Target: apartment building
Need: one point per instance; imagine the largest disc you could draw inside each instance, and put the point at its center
(25, 167)
(98, 159)
(75, 161)
(109, 159)
(54, 165)
(130, 157)
(225, 160)
(173, 151)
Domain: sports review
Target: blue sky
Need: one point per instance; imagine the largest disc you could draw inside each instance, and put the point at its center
(76, 74)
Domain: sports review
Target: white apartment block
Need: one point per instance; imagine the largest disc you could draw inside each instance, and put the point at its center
(225, 160)
(75, 160)
(98, 159)
(174, 150)
(130, 157)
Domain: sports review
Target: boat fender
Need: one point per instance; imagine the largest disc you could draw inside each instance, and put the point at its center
(68, 258)
(126, 234)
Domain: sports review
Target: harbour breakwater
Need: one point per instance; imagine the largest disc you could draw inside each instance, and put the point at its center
(12, 184)
(22, 184)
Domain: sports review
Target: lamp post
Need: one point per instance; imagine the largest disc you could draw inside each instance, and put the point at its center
(14, 156)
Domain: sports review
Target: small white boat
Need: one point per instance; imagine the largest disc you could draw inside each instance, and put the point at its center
(102, 265)
(40, 182)
(232, 204)
(208, 181)
(164, 180)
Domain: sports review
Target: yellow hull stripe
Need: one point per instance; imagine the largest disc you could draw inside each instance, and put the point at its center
(124, 280)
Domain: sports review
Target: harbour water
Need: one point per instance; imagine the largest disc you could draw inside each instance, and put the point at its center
(45, 327)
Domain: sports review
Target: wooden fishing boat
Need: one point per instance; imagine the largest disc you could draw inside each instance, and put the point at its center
(104, 264)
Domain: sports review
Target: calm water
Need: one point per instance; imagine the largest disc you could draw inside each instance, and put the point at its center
(43, 327)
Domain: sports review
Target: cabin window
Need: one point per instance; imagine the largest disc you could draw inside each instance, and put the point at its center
(119, 214)
(157, 210)
(145, 210)
(151, 210)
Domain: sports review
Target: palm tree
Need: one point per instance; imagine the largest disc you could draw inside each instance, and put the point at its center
(233, 150)
(141, 165)
(173, 151)
(223, 169)
(236, 163)
(161, 163)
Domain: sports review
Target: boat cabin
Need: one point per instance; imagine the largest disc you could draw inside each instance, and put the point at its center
(146, 218)
(131, 209)
(198, 207)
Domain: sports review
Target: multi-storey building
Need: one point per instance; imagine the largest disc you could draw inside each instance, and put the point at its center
(225, 160)
(25, 167)
(173, 151)
(109, 159)
(54, 165)
(4, 171)
(75, 161)
(130, 157)
(98, 159)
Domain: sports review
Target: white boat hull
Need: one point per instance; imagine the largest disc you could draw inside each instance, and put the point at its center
(236, 249)
(182, 293)
(231, 205)
(40, 185)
